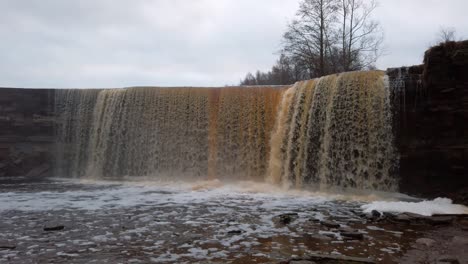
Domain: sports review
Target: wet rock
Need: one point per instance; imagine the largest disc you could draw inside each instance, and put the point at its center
(346, 229)
(7, 246)
(403, 218)
(234, 232)
(463, 224)
(375, 214)
(353, 235)
(54, 228)
(440, 220)
(302, 262)
(447, 260)
(408, 217)
(388, 215)
(333, 259)
(330, 224)
(323, 237)
(460, 240)
(286, 219)
(426, 242)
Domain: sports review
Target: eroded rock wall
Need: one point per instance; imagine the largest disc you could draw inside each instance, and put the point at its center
(26, 131)
(431, 123)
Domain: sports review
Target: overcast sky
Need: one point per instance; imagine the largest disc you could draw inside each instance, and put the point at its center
(116, 43)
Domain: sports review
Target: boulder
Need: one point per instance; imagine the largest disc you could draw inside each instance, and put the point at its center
(234, 232)
(353, 235)
(7, 246)
(330, 224)
(440, 220)
(426, 242)
(286, 219)
(333, 259)
(375, 214)
(447, 260)
(53, 227)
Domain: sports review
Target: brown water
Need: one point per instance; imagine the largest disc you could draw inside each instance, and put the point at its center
(336, 131)
(185, 133)
(330, 132)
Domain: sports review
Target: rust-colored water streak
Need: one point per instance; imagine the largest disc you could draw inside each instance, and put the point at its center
(178, 133)
(328, 132)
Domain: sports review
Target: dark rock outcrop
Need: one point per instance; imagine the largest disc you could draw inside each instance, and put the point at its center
(53, 227)
(431, 123)
(27, 131)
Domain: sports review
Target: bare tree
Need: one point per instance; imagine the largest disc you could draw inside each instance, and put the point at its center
(326, 36)
(284, 72)
(361, 36)
(308, 37)
(446, 34)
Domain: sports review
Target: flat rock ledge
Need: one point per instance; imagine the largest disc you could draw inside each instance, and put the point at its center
(328, 259)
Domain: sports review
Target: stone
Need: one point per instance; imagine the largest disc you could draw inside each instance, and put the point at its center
(7, 246)
(402, 218)
(234, 232)
(447, 260)
(287, 218)
(388, 215)
(322, 237)
(330, 224)
(409, 218)
(347, 229)
(353, 235)
(440, 220)
(302, 262)
(334, 259)
(375, 214)
(460, 240)
(54, 228)
(426, 242)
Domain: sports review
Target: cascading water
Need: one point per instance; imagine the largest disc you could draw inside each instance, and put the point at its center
(166, 132)
(335, 131)
(332, 131)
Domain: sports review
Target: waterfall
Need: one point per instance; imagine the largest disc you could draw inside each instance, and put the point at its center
(179, 133)
(335, 131)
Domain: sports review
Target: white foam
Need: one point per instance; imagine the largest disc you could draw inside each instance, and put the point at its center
(426, 208)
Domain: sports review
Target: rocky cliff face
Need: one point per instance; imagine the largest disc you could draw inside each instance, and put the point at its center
(26, 131)
(431, 122)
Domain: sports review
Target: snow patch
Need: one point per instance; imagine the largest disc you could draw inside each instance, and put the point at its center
(426, 208)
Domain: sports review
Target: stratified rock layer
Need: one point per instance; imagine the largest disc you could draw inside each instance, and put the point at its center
(26, 131)
(431, 122)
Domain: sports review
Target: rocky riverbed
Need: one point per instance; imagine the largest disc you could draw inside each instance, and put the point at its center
(65, 221)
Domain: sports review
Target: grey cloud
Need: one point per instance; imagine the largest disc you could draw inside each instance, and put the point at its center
(115, 43)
